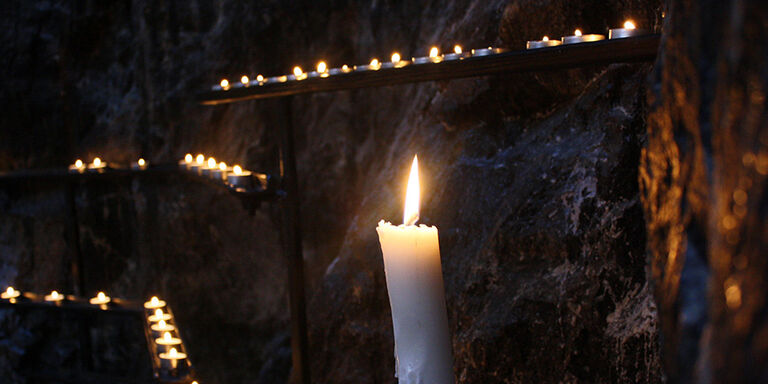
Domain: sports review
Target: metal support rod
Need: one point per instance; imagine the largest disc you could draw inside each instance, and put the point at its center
(76, 267)
(293, 248)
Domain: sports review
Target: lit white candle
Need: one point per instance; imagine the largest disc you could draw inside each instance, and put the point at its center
(140, 164)
(54, 297)
(174, 356)
(209, 166)
(416, 295)
(629, 30)
(78, 166)
(221, 172)
(240, 177)
(578, 37)
(10, 294)
(167, 340)
(197, 164)
(162, 326)
(543, 43)
(186, 161)
(97, 165)
(159, 315)
(100, 299)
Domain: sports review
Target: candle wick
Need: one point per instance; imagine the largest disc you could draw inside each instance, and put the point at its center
(413, 219)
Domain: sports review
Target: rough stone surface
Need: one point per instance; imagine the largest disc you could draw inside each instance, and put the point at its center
(531, 178)
(703, 178)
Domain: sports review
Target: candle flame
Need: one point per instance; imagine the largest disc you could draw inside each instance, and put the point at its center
(322, 67)
(211, 162)
(101, 296)
(259, 78)
(173, 352)
(224, 83)
(457, 49)
(577, 32)
(188, 158)
(10, 291)
(97, 162)
(79, 163)
(200, 159)
(237, 170)
(159, 313)
(629, 24)
(223, 166)
(167, 336)
(54, 295)
(433, 52)
(545, 38)
(297, 71)
(395, 57)
(161, 324)
(245, 79)
(411, 211)
(154, 300)
(345, 68)
(374, 62)
(142, 162)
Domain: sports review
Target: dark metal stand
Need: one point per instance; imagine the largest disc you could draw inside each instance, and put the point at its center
(292, 243)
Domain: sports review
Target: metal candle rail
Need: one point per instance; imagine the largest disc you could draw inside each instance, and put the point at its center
(629, 49)
(165, 370)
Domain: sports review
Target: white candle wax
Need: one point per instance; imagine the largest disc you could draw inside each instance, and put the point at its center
(416, 295)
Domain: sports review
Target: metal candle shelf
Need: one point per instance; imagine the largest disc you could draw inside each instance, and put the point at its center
(83, 309)
(631, 49)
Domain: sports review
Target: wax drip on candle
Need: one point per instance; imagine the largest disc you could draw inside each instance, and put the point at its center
(411, 211)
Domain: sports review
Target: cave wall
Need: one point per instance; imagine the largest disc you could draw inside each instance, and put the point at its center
(531, 179)
(703, 178)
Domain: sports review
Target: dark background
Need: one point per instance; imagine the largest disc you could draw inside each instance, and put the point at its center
(589, 219)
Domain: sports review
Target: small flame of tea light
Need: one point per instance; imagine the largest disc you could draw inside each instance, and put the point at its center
(224, 84)
(220, 173)
(374, 65)
(97, 165)
(578, 37)
(78, 166)
(322, 69)
(159, 315)
(167, 340)
(244, 80)
(260, 79)
(543, 43)
(154, 303)
(54, 297)
(240, 178)
(298, 74)
(100, 299)
(338, 71)
(162, 326)
(140, 164)
(434, 57)
(629, 30)
(174, 356)
(10, 294)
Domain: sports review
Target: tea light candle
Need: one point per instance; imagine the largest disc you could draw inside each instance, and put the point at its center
(159, 315)
(244, 80)
(54, 297)
(395, 62)
(224, 84)
(629, 30)
(154, 303)
(97, 165)
(221, 172)
(457, 54)
(416, 295)
(374, 65)
(210, 165)
(174, 356)
(434, 57)
(487, 51)
(167, 340)
(298, 74)
(260, 79)
(199, 162)
(10, 294)
(240, 178)
(162, 326)
(140, 164)
(338, 71)
(322, 69)
(579, 38)
(543, 43)
(78, 166)
(186, 161)
(100, 299)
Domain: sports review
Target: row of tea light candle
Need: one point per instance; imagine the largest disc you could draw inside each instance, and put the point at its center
(167, 344)
(235, 176)
(396, 61)
(97, 165)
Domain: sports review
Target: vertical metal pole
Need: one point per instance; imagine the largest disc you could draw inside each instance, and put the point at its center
(293, 249)
(76, 268)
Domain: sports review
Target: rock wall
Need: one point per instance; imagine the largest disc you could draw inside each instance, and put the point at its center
(531, 178)
(703, 176)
